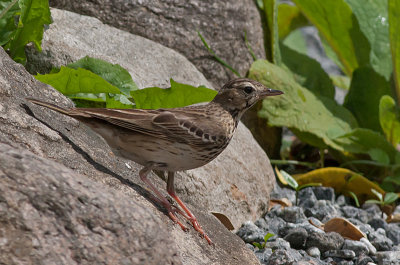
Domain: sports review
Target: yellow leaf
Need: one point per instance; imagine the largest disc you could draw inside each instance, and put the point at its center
(342, 180)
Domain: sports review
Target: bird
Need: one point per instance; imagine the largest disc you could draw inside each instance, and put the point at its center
(173, 139)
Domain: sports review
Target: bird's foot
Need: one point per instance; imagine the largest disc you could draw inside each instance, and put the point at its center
(174, 218)
(199, 229)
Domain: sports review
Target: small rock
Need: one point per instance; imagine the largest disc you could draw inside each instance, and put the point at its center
(250, 233)
(250, 246)
(363, 260)
(356, 213)
(324, 193)
(379, 240)
(340, 253)
(314, 252)
(263, 254)
(262, 224)
(393, 233)
(371, 248)
(279, 193)
(293, 214)
(278, 243)
(376, 223)
(297, 237)
(388, 257)
(357, 246)
(341, 200)
(322, 210)
(325, 241)
(307, 198)
(284, 256)
(275, 224)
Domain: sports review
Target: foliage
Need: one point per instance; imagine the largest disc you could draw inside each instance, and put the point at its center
(287, 179)
(362, 38)
(262, 245)
(389, 198)
(22, 22)
(92, 82)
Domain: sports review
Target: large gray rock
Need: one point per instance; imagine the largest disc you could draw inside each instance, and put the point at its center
(175, 25)
(96, 213)
(50, 214)
(236, 184)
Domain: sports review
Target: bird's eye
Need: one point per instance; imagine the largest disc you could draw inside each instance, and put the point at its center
(248, 89)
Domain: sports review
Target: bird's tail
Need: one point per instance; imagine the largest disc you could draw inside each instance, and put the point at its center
(51, 106)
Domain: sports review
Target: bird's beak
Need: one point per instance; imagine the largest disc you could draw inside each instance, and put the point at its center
(270, 92)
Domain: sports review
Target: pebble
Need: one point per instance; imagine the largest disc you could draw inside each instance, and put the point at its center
(298, 242)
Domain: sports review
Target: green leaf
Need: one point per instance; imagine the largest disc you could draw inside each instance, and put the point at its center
(390, 197)
(71, 82)
(394, 29)
(361, 141)
(393, 179)
(296, 41)
(112, 73)
(268, 236)
(289, 179)
(315, 120)
(271, 14)
(379, 155)
(34, 15)
(258, 245)
(8, 12)
(373, 202)
(354, 196)
(309, 185)
(366, 89)
(289, 19)
(308, 72)
(377, 194)
(372, 17)
(389, 117)
(336, 22)
(179, 95)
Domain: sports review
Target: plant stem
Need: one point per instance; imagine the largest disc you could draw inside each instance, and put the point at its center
(216, 57)
(292, 162)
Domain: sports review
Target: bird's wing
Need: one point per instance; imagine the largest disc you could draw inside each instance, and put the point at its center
(174, 124)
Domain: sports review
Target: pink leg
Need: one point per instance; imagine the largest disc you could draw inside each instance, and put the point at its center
(192, 218)
(171, 212)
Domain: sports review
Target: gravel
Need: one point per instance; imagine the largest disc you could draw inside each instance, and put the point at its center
(297, 242)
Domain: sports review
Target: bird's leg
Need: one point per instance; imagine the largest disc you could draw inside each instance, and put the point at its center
(171, 211)
(192, 218)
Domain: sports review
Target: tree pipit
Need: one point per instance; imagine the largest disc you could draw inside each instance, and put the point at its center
(173, 139)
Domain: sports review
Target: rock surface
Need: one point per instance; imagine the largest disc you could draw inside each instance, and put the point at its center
(233, 182)
(175, 25)
(94, 212)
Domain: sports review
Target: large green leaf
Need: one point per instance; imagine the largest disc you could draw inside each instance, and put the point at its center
(270, 8)
(178, 95)
(8, 11)
(336, 22)
(363, 141)
(296, 41)
(308, 72)
(372, 16)
(394, 29)
(366, 89)
(289, 19)
(34, 15)
(389, 117)
(315, 120)
(73, 81)
(112, 73)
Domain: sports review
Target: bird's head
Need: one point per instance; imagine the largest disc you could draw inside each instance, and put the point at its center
(238, 95)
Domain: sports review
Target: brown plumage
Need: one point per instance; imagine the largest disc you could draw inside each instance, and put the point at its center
(173, 139)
